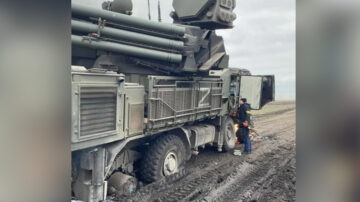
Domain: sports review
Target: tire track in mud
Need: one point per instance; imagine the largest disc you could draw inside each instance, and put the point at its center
(228, 186)
(225, 182)
(181, 187)
(213, 176)
(247, 174)
(279, 186)
(196, 183)
(145, 192)
(244, 187)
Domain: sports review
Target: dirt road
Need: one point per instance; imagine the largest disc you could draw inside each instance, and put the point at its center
(268, 174)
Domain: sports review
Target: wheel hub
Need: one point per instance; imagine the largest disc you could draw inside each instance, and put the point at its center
(229, 134)
(170, 164)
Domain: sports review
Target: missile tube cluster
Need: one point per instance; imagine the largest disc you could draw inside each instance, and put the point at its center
(140, 43)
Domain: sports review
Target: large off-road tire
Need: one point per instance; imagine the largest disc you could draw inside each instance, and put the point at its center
(165, 157)
(228, 132)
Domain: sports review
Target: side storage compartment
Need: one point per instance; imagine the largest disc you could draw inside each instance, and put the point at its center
(134, 109)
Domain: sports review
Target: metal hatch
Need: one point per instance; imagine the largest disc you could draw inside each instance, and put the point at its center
(258, 90)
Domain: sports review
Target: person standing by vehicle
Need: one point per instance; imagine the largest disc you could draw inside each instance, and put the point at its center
(244, 122)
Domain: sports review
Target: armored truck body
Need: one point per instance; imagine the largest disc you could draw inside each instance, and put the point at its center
(147, 95)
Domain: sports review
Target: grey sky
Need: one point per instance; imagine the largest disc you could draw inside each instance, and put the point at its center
(262, 41)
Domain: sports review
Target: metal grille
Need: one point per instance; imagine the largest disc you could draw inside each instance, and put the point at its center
(216, 99)
(97, 110)
(165, 107)
(173, 101)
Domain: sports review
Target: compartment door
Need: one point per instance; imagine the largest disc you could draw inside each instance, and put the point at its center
(251, 89)
(268, 89)
(134, 109)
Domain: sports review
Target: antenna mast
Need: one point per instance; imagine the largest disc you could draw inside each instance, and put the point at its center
(149, 10)
(159, 11)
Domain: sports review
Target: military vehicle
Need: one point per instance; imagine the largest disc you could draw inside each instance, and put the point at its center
(146, 95)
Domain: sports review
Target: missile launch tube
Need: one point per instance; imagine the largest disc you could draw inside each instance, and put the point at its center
(128, 20)
(126, 49)
(127, 35)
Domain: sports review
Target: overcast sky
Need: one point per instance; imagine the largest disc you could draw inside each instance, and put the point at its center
(263, 39)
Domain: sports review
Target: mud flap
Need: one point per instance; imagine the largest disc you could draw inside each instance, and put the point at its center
(258, 90)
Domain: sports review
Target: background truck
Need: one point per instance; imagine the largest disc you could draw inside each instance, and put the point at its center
(146, 95)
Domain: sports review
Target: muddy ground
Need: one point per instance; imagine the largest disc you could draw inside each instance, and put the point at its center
(268, 174)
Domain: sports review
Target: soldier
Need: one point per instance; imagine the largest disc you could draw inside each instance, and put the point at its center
(244, 121)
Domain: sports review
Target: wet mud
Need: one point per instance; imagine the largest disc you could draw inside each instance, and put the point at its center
(267, 174)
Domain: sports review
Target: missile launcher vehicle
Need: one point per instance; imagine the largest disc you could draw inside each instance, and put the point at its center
(146, 95)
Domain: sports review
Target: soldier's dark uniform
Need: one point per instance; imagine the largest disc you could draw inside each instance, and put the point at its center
(244, 121)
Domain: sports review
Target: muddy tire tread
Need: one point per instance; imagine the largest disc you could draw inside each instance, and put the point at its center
(153, 158)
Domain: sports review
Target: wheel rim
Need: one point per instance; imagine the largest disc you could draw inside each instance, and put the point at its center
(170, 164)
(229, 133)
